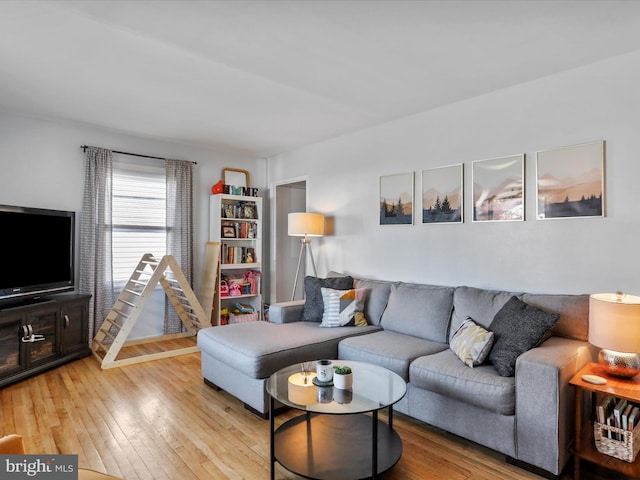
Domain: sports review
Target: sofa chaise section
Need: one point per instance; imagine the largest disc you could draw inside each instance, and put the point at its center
(238, 358)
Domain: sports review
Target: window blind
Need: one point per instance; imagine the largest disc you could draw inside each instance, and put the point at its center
(138, 216)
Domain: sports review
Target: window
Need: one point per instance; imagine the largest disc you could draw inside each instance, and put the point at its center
(139, 203)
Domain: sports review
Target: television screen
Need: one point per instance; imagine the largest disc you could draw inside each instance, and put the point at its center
(38, 248)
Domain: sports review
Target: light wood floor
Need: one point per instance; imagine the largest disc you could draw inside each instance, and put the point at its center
(157, 420)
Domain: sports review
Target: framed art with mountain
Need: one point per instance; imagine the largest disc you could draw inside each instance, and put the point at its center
(442, 194)
(498, 189)
(396, 199)
(570, 181)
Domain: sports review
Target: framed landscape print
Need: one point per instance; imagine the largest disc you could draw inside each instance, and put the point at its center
(396, 199)
(498, 189)
(442, 194)
(570, 181)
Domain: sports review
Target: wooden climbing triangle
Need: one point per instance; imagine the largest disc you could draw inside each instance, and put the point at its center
(114, 331)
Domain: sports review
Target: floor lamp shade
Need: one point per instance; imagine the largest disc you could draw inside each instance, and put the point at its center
(303, 224)
(614, 326)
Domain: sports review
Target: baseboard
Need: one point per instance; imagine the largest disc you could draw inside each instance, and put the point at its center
(532, 468)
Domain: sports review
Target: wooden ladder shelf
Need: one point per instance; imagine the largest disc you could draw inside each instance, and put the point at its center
(114, 331)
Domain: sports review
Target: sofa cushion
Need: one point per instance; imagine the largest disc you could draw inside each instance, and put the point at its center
(518, 327)
(573, 310)
(259, 349)
(444, 374)
(314, 306)
(479, 304)
(391, 350)
(343, 307)
(419, 310)
(377, 298)
(472, 343)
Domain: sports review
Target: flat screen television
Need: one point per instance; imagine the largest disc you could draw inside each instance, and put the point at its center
(37, 248)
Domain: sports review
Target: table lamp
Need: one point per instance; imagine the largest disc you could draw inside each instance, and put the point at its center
(614, 326)
(305, 225)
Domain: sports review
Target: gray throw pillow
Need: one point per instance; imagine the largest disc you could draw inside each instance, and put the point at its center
(314, 305)
(518, 327)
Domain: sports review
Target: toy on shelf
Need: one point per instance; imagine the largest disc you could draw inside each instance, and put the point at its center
(240, 308)
(224, 288)
(218, 187)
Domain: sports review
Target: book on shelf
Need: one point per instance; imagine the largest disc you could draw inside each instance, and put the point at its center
(618, 413)
(604, 408)
(244, 210)
(232, 254)
(243, 230)
(633, 418)
(625, 416)
(611, 423)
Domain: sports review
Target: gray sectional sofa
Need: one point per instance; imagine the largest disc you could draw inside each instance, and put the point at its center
(527, 416)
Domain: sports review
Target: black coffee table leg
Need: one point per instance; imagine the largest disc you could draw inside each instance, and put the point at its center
(374, 446)
(272, 437)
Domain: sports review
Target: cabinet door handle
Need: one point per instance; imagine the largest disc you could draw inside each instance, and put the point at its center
(27, 331)
(66, 321)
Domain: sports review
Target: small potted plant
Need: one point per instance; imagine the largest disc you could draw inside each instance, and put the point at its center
(342, 377)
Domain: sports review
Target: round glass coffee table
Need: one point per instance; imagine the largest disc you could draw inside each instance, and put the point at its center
(339, 436)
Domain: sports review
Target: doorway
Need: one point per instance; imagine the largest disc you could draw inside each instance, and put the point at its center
(289, 196)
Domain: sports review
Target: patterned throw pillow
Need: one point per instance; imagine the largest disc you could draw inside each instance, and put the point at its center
(343, 307)
(472, 343)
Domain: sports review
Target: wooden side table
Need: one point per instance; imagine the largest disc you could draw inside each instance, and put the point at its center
(584, 447)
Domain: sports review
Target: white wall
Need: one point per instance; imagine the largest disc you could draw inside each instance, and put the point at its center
(42, 165)
(598, 102)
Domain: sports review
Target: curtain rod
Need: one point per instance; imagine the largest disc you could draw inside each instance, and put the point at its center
(84, 149)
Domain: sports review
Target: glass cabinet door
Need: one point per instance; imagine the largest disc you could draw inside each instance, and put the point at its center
(43, 325)
(10, 333)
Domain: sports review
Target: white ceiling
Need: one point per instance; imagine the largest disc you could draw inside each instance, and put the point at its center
(263, 77)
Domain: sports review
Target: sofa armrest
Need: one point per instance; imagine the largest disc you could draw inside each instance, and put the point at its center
(286, 312)
(545, 401)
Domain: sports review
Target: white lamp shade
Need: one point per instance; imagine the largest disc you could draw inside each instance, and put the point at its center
(306, 224)
(614, 322)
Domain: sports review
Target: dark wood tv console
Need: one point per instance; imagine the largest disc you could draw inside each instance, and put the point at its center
(39, 336)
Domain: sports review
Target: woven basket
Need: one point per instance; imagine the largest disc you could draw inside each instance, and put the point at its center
(625, 449)
(245, 317)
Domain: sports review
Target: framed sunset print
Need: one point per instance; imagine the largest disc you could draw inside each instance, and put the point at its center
(570, 182)
(396, 199)
(498, 189)
(442, 194)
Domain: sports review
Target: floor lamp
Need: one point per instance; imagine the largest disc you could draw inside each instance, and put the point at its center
(305, 225)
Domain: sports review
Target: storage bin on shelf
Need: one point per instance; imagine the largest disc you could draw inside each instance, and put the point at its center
(243, 317)
(243, 313)
(625, 449)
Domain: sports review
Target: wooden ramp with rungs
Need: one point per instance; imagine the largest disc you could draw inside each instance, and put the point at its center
(112, 335)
